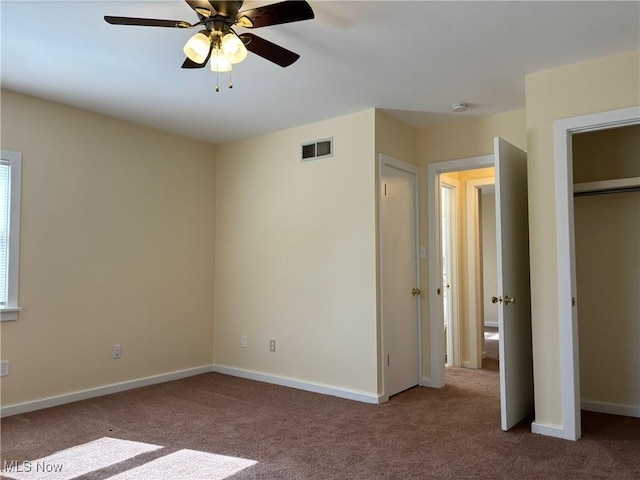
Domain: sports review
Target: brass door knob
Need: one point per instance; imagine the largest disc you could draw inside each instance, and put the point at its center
(416, 291)
(496, 299)
(508, 300)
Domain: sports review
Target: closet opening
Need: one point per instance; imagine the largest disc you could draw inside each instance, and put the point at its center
(606, 204)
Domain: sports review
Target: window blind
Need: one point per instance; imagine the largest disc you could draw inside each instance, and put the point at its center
(5, 185)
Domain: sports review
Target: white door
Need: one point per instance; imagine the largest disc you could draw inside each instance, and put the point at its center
(447, 251)
(399, 274)
(449, 247)
(513, 296)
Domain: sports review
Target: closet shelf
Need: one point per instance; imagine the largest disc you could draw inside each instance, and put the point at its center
(607, 186)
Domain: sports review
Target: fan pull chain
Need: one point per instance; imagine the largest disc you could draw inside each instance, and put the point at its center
(217, 86)
(230, 82)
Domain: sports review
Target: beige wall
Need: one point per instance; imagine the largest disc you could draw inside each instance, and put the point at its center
(117, 245)
(599, 85)
(467, 138)
(395, 139)
(296, 255)
(470, 137)
(606, 154)
(607, 229)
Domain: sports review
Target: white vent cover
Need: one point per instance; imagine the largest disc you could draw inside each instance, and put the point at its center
(317, 149)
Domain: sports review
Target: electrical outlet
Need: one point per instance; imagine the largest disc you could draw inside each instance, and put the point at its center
(4, 368)
(115, 352)
(243, 342)
(272, 345)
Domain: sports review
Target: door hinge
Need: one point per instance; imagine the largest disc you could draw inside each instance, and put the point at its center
(573, 301)
(388, 360)
(385, 189)
(438, 291)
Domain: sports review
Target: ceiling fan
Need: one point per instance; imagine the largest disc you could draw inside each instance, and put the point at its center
(219, 42)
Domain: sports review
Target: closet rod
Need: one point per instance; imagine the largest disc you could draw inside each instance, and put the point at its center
(608, 191)
(619, 185)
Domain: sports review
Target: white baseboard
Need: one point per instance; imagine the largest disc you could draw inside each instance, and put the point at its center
(548, 430)
(610, 408)
(301, 385)
(100, 391)
(427, 382)
(491, 324)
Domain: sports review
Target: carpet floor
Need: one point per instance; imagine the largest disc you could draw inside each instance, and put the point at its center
(449, 433)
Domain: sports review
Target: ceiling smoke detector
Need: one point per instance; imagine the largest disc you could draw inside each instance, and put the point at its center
(459, 107)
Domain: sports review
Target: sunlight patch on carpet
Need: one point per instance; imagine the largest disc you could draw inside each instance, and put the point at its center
(187, 465)
(79, 460)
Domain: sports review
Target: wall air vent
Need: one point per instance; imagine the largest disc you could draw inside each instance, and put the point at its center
(317, 149)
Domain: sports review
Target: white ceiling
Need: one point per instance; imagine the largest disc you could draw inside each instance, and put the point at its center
(411, 59)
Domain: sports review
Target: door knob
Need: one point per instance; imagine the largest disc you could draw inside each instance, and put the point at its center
(508, 299)
(496, 299)
(416, 291)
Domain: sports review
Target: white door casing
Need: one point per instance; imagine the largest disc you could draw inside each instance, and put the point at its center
(567, 313)
(399, 275)
(436, 378)
(514, 293)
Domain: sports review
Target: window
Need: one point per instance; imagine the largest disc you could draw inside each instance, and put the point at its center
(10, 169)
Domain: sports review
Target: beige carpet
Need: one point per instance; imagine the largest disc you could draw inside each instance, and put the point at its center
(106, 452)
(187, 465)
(451, 433)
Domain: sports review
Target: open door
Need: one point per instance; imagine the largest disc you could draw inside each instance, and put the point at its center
(450, 249)
(514, 295)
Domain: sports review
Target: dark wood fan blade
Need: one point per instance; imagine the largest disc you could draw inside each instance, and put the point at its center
(269, 51)
(147, 22)
(276, 14)
(202, 7)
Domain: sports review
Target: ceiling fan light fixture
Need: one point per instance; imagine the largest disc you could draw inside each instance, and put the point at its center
(219, 62)
(233, 48)
(197, 48)
(205, 12)
(245, 22)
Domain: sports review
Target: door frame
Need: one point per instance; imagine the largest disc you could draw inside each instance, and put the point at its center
(437, 378)
(565, 237)
(413, 170)
(475, 289)
(453, 334)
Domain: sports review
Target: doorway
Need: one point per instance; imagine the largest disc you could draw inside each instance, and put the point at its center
(606, 175)
(566, 261)
(468, 281)
(513, 295)
(437, 377)
(481, 267)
